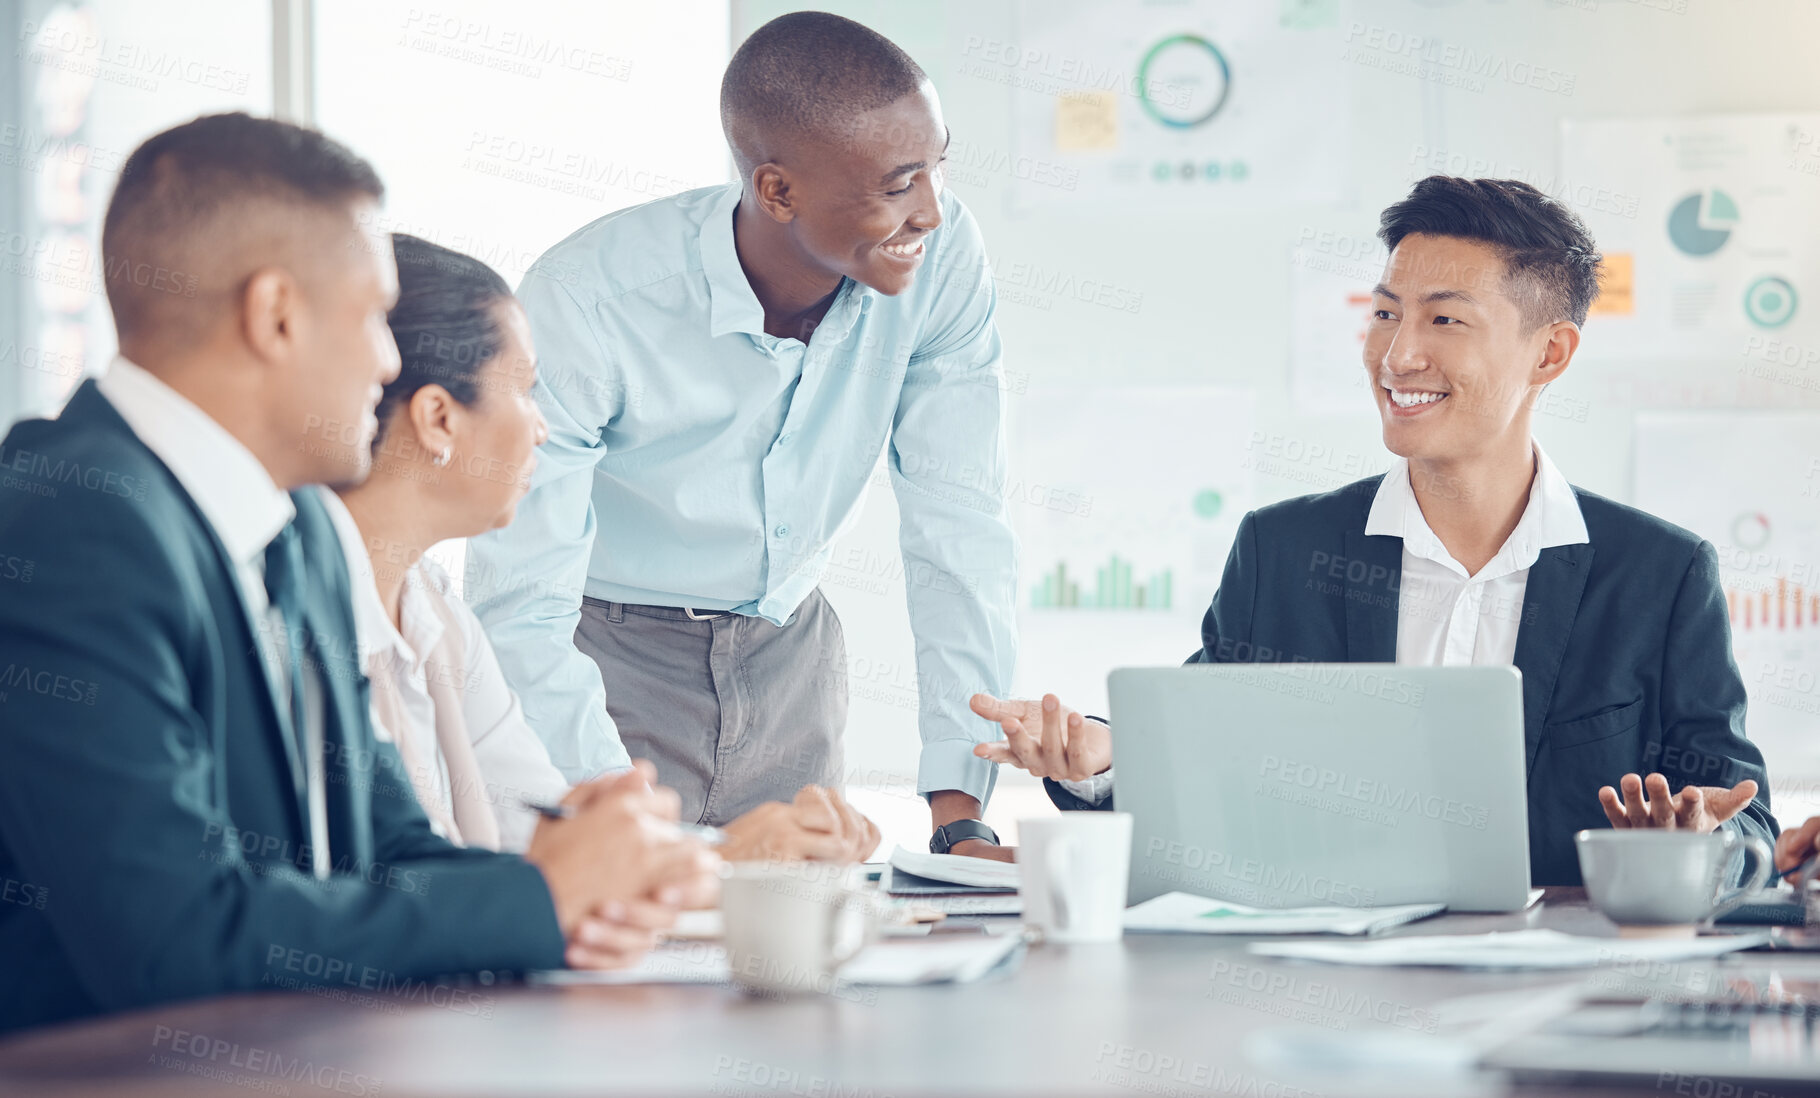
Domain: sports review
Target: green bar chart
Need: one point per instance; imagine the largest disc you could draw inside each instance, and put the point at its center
(1113, 588)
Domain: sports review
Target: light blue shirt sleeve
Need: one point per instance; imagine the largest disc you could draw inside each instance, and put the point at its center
(947, 464)
(525, 581)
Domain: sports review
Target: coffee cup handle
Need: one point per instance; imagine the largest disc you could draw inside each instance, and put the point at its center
(1728, 901)
(1059, 867)
(853, 899)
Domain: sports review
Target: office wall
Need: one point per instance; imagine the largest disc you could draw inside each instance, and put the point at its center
(500, 129)
(85, 83)
(1216, 288)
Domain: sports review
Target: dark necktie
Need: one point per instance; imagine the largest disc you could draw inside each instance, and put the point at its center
(284, 586)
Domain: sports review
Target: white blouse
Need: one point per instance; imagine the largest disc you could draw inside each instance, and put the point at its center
(514, 764)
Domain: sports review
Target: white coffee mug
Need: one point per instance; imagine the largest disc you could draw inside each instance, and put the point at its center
(1073, 871)
(1644, 877)
(790, 926)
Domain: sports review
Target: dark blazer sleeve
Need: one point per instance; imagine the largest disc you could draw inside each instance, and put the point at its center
(1227, 621)
(1703, 740)
(110, 788)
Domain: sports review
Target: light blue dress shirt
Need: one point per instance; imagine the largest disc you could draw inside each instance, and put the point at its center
(695, 461)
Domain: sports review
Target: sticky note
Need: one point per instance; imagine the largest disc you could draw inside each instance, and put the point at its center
(1309, 14)
(1086, 120)
(1617, 295)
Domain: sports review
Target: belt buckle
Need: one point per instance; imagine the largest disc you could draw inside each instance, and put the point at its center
(689, 612)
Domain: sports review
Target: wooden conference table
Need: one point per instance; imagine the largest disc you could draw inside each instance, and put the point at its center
(1150, 1015)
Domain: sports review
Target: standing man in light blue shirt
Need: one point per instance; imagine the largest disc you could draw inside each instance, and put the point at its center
(722, 370)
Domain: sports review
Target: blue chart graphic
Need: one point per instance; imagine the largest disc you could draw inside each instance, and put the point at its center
(1196, 74)
(1770, 302)
(1701, 223)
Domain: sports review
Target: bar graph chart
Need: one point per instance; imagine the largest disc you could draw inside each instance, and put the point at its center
(1747, 481)
(1125, 499)
(1112, 589)
(1782, 605)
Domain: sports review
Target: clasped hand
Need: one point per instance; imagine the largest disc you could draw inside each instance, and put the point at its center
(620, 871)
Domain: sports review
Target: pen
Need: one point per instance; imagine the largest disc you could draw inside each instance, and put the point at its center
(713, 836)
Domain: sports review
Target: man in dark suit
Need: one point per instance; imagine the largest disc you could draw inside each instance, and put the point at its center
(1474, 549)
(191, 793)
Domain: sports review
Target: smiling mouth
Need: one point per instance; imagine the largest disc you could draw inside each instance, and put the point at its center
(1414, 398)
(903, 251)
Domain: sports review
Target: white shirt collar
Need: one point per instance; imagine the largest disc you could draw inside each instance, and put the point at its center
(375, 634)
(234, 491)
(1552, 518)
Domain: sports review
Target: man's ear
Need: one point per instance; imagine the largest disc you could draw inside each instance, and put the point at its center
(771, 189)
(268, 314)
(1558, 347)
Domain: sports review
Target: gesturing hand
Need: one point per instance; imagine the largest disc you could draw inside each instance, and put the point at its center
(1797, 844)
(1647, 803)
(1046, 738)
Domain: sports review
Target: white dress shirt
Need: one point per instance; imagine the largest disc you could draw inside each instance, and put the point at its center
(513, 761)
(246, 509)
(1445, 617)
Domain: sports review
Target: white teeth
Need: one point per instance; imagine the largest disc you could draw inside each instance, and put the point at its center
(905, 250)
(1410, 400)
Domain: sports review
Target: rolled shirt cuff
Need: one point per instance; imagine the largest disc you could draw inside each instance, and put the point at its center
(951, 764)
(1093, 790)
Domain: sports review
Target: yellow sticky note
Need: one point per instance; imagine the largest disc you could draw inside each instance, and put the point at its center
(1086, 120)
(1616, 290)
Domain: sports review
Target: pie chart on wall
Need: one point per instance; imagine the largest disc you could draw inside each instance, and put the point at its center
(1701, 223)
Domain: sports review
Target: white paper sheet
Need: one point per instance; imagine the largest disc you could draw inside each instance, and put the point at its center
(1747, 481)
(942, 958)
(1181, 912)
(1521, 949)
(1711, 220)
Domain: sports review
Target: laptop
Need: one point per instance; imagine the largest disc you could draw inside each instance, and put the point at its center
(1324, 784)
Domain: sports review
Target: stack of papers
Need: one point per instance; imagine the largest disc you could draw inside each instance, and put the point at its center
(1179, 912)
(957, 873)
(953, 884)
(943, 958)
(1519, 949)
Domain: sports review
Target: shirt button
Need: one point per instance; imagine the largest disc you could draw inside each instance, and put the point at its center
(785, 437)
(782, 531)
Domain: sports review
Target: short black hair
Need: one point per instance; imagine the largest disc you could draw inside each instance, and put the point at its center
(810, 72)
(1551, 263)
(443, 323)
(181, 202)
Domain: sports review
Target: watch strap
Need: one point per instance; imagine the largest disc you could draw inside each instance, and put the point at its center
(949, 835)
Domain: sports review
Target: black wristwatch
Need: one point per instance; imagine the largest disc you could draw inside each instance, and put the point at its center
(947, 835)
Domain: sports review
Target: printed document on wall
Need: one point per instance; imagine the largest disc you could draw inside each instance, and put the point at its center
(1749, 482)
(1125, 500)
(1707, 224)
(1188, 104)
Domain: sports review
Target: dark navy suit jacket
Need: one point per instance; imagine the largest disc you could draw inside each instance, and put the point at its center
(1624, 645)
(154, 842)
